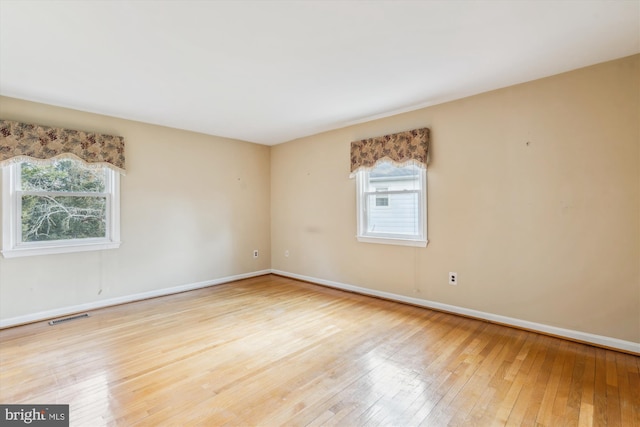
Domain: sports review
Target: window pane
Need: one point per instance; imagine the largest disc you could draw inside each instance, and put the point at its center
(399, 217)
(389, 177)
(47, 218)
(62, 175)
(393, 213)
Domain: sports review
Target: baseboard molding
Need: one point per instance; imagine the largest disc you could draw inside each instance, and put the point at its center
(598, 340)
(64, 311)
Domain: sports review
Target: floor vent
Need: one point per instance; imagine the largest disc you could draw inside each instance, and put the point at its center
(67, 319)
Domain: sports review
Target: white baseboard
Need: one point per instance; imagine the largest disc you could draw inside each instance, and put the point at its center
(598, 340)
(58, 312)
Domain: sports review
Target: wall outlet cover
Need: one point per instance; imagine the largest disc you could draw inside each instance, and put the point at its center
(453, 278)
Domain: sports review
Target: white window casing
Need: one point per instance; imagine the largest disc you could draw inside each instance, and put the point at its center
(12, 244)
(403, 221)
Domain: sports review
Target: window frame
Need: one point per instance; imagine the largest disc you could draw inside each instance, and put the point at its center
(12, 245)
(418, 240)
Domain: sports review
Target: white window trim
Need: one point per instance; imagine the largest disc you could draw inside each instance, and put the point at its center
(362, 178)
(11, 245)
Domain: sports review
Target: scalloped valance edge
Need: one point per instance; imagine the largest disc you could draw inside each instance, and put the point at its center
(96, 165)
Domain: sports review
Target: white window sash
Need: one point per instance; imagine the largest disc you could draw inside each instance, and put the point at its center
(363, 193)
(12, 244)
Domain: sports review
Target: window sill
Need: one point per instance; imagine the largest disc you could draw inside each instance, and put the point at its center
(393, 241)
(58, 249)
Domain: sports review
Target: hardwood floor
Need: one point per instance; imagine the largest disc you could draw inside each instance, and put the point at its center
(272, 351)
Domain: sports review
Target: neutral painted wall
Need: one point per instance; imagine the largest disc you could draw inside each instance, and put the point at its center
(193, 209)
(533, 199)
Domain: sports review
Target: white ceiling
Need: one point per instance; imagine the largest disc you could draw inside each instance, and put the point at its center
(272, 71)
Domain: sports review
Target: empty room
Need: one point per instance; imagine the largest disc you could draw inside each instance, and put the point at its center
(320, 213)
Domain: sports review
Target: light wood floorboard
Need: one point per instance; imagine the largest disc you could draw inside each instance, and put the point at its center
(270, 351)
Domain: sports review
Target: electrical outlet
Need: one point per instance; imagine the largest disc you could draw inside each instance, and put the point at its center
(255, 253)
(286, 253)
(453, 278)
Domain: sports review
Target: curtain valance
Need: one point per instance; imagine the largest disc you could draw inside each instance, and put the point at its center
(400, 148)
(23, 141)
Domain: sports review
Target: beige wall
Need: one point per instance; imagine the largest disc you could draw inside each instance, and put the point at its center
(193, 209)
(533, 199)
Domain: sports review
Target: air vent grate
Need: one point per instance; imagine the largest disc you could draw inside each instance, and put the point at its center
(67, 319)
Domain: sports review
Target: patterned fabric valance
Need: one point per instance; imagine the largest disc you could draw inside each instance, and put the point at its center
(401, 148)
(24, 141)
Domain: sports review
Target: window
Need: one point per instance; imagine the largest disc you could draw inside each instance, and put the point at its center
(383, 199)
(392, 205)
(62, 206)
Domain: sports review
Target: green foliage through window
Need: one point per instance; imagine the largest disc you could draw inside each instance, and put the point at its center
(63, 200)
(62, 175)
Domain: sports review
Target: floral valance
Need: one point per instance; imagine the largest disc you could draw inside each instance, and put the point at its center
(23, 141)
(401, 148)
